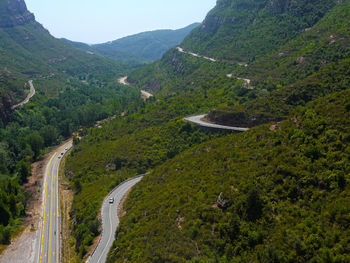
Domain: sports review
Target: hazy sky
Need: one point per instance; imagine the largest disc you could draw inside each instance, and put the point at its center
(97, 21)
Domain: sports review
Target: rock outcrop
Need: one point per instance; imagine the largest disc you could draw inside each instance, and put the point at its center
(13, 13)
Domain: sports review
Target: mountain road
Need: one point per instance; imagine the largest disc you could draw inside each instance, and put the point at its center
(27, 99)
(198, 120)
(110, 220)
(48, 245)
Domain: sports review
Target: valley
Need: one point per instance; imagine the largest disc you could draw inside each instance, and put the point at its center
(262, 176)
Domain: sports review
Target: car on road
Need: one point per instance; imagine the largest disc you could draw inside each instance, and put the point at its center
(111, 200)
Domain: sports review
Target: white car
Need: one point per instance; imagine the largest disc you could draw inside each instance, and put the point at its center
(111, 200)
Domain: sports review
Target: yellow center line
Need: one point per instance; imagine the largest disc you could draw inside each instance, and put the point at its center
(43, 228)
(50, 231)
(57, 214)
(46, 195)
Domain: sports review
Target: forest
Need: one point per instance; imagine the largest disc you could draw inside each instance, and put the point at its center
(277, 193)
(267, 195)
(45, 122)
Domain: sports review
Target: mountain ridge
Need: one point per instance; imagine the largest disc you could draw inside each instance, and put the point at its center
(144, 47)
(14, 13)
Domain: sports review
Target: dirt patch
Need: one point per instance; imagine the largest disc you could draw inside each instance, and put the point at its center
(121, 209)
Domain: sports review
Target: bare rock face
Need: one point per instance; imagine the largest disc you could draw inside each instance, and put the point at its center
(13, 13)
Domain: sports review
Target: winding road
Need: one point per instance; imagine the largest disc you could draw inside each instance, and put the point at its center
(29, 96)
(110, 219)
(144, 94)
(198, 120)
(180, 49)
(48, 245)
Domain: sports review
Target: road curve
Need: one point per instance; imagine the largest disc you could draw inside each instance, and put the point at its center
(144, 94)
(29, 96)
(198, 120)
(181, 50)
(110, 220)
(48, 244)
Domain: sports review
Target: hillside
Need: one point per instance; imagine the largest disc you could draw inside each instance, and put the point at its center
(267, 195)
(28, 51)
(242, 31)
(142, 48)
(262, 196)
(73, 90)
(114, 54)
(314, 64)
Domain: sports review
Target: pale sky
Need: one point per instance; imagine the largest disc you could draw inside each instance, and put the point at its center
(97, 21)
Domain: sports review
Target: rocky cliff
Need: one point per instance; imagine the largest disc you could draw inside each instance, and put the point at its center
(13, 13)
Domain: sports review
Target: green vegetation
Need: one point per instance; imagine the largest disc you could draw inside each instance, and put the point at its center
(267, 195)
(241, 30)
(29, 52)
(43, 123)
(260, 196)
(277, 193)
(134, 144)
(140, 48)
(73, 90)
(314, 64)
(274, 194)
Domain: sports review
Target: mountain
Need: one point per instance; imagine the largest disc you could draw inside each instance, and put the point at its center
(108, 53)
(73, 90)
(28, 51)
(244, 30)
(144, 47)
(276, 193)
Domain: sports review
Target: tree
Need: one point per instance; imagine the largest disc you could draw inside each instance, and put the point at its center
(23, 170)
(50, 135)
(36, 142)
(4, 215)
(254, 205)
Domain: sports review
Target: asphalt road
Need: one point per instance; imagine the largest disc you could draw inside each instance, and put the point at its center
(198, 120)
(29, 96)
(110, 220)
(49, 241)
(180, 49)
(144, 94)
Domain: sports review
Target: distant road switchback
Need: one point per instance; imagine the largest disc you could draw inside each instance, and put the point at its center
(27, 99)
(198, 120)
(145, 95)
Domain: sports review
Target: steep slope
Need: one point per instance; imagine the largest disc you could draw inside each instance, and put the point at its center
(241, 30)
(262, 196)
(278, 36)
(140, 48)
(28, 51)
(314, 64)
(73, 90)
(264, 175)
